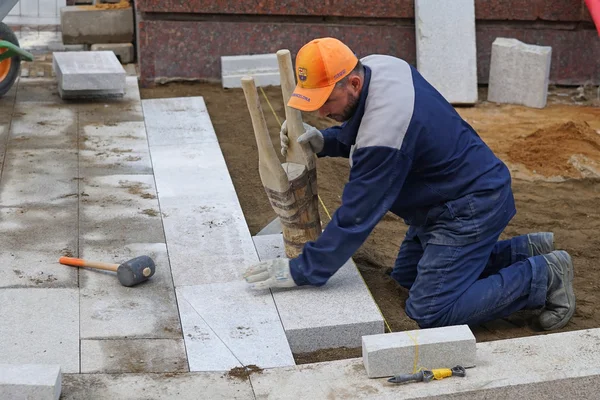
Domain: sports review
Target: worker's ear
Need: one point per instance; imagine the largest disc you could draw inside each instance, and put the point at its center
(355, 84)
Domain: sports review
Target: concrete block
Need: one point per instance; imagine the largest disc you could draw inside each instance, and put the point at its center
(333, 316)
(519, 73)
(245, 322)
(190, 386)
(178, 121)
(133, 355)
(30, 381)
(89, 74)
(123, 51)
(446, 53)
(40, 326)
(263, 67)
(80, 25)
(554, 366)
(394, 353)
(119, 148)
(109, 310)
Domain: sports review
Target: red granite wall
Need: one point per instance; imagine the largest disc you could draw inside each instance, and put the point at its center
(185, 39)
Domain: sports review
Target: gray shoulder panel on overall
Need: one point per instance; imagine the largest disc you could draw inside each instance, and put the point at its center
(389, 105)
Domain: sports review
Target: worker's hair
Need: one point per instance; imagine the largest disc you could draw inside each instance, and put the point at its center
(358, 70)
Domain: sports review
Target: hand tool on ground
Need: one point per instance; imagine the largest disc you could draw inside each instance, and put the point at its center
(129, 273)
(429, 375)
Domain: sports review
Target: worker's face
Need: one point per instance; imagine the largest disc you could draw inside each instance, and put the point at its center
(343, 101)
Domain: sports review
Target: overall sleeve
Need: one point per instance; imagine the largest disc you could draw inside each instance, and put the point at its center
(376, 179)
(333, 147)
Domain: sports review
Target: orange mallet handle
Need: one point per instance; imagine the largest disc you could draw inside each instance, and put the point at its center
(80, 262)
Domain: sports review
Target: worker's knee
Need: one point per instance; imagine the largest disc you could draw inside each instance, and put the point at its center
(425, 316)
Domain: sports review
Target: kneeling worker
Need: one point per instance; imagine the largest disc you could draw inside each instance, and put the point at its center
(412, 154)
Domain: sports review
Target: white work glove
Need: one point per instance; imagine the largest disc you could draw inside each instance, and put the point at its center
(311, 135)
(270, 274)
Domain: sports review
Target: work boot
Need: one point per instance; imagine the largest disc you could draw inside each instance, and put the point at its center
(540, 243)
(560, 298)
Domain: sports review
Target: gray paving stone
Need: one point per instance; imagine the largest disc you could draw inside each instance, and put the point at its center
(38, 176)
(519, 73)
(85, 26)
(190, 386)
(39, 90)
(177, 121)
(109, 310)
(117, 148)
(44, 122)
(446, 53)
(40, 326)
(117, 210)
(332, 316)
(37, 269)
(394, 353)
(246, 322)
(49, 229)
(124, 51)
(87, 73)
(133, 355)
(128, 108)
(30, 381)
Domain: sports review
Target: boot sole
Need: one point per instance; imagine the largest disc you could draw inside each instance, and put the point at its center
(570, 297)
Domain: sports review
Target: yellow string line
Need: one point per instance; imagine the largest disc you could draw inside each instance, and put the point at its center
(416, 360)
(329, 216)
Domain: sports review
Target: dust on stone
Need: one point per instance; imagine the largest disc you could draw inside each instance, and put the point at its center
(151, 212)
(243, 373)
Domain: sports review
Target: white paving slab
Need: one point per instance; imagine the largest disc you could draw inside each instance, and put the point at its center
(30, 381)
(519, 73)
(263, 67)
(133, 355)
(117, 148)
(36, 269)
(446, 53)
(177, 121)
(561, 365)
(190, 386)
(40, 326)
(245, 322)
(332, 316)
(110, 310)
(205, 228)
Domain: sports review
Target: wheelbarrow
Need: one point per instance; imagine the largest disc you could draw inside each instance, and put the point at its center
(10, 52)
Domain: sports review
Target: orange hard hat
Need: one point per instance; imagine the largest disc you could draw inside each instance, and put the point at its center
(320, 64)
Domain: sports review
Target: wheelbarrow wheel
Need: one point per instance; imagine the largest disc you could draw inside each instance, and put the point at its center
(9, 68)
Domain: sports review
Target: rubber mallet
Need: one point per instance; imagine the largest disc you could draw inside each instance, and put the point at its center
(130, 273)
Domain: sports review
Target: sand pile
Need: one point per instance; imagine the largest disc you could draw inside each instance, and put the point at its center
(108, 6)
(550, 151)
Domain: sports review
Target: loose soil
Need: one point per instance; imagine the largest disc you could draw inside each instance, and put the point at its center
(536, 145)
